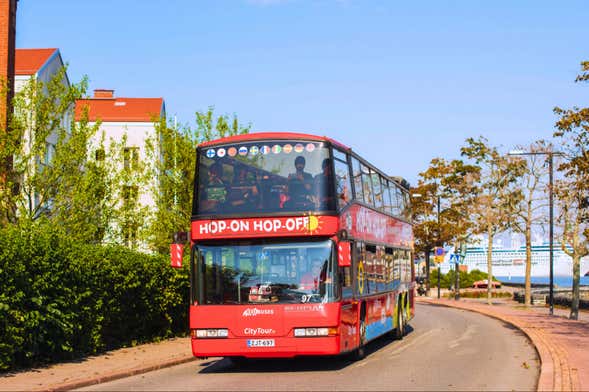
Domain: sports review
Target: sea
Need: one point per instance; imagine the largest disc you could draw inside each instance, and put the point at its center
(559, 281)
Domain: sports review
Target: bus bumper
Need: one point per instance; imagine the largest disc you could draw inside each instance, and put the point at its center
(288, 347)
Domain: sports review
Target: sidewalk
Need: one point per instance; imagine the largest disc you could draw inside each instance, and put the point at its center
(562, 344)
(93, 370)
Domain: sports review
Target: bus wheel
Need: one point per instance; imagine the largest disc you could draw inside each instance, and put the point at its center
(400, 330)
(359, 353)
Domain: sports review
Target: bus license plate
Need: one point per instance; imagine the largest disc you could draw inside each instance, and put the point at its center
(260, 343)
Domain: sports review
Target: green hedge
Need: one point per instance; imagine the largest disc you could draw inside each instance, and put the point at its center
(447, 280)
(62, 300)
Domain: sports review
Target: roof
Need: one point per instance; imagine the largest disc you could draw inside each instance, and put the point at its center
(271, 136)
(30, 61)
(121, 109)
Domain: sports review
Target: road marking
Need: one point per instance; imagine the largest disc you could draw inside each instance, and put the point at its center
(470, 331)
(408, 342)
(414, 341)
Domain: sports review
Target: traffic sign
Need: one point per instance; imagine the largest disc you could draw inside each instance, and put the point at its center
(439, 253)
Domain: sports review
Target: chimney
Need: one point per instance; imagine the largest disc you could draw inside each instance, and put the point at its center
(104, 94)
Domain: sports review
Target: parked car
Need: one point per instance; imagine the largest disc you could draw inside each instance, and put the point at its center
(483, 284)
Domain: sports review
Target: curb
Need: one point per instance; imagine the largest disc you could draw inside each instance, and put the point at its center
(555, 371)
(115, 375)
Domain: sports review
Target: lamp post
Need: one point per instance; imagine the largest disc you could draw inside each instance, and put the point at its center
(550, 158)
(439, 264)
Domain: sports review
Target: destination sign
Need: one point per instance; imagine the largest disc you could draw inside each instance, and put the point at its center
(276, 226)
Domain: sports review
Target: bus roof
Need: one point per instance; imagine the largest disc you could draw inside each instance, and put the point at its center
(274, 136)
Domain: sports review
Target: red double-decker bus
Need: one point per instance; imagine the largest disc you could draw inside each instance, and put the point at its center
(299, 247)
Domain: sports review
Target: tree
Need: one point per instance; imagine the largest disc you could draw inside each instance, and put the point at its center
(573, 190)
(448, 183)
(50, 175)
(531, 209)
(173, 154)
(495, 197)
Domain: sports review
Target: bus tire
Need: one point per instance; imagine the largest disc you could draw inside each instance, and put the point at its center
(400, 330)
(360, 352)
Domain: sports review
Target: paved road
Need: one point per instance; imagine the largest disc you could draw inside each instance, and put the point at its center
(446, 349)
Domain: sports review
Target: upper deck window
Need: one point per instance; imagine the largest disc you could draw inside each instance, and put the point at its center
(265, 176)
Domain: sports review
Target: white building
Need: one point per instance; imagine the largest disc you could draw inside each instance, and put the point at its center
(135, 118)
(41, 65)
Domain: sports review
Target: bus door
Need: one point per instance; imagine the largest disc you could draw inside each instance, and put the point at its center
(349, 312)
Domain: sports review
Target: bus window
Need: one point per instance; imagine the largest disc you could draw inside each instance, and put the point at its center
(400, 201)
(359, 194)
(337, 154)
(396, 199)
(346, 282)
(371, 269)
(389, 268)
(342, 183)
(377, 190)
(269, 176)
(407, 206)
(367, 185)
(297, 272)
(386, 195)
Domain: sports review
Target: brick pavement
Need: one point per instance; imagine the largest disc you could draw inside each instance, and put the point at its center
(101, 368)
(562, 344)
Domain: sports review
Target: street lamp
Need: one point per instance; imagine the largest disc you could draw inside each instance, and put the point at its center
(439, 264)
(550, 157)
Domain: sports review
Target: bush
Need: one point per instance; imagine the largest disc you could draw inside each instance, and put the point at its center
(482, 294)
(447, 280)
(61, 300)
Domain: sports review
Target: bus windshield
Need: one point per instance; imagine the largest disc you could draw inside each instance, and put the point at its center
(265, 176)
(293, 272)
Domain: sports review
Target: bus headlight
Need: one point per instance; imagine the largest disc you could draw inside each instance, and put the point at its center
(315, 332)
(210, 333)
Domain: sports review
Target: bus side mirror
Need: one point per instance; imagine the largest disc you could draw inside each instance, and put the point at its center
(343, 254)
(176, 253)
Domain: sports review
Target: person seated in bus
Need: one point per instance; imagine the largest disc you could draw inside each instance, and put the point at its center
(214, 192)
(310, 280)
(315, 279)
(244, 193)
(324, 184)
(300, 186)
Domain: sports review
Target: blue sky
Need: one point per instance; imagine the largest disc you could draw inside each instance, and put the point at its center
(399, 82)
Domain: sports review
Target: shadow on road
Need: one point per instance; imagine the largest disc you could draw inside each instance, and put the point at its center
(298, 364)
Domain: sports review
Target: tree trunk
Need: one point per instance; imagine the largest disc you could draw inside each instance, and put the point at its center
(489, 266)
(528, 287)
(576, 279)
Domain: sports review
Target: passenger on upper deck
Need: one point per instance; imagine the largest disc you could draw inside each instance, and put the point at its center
(214, 193)
(300, 186)
(324, 186)
(244, 194)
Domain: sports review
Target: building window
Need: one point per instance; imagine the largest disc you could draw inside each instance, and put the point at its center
(130, 235)
(131, 158)
(130, 194)
(100, 154)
